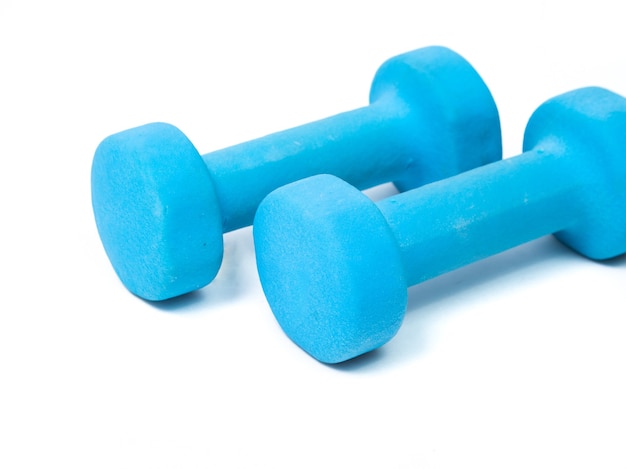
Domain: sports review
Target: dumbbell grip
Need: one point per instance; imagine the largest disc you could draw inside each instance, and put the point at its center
(365, 147)
(454, 222)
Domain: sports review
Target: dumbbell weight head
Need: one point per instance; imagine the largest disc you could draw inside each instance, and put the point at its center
(156, 210)
(455, 125)
(330, 268)
(588, 126)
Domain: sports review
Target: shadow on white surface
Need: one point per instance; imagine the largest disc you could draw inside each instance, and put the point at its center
(617, 262)
(237, 278)
(493, 269)
(431, 302)
(188, 303)
(366, 362)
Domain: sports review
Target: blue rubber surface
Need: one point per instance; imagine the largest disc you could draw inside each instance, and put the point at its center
(335, 266)
(161, 208)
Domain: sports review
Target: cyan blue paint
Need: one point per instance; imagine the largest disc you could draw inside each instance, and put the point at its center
(335, 266)
(161, 208)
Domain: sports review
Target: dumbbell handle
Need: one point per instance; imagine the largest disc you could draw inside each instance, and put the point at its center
(454, 222)
(365, 147)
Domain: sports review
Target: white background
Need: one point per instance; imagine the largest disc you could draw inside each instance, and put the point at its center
(516, 361)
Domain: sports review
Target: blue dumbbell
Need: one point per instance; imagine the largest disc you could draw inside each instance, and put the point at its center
(161, 208)
(335, 266)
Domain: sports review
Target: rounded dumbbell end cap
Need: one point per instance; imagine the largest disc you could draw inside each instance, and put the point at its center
(330, 268)
(453, 124)
(156, 211)
(588, 127)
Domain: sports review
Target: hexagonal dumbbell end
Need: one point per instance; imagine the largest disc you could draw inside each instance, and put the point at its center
(330, 268)
(156, 210)
(161, 207)
(335, 266)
